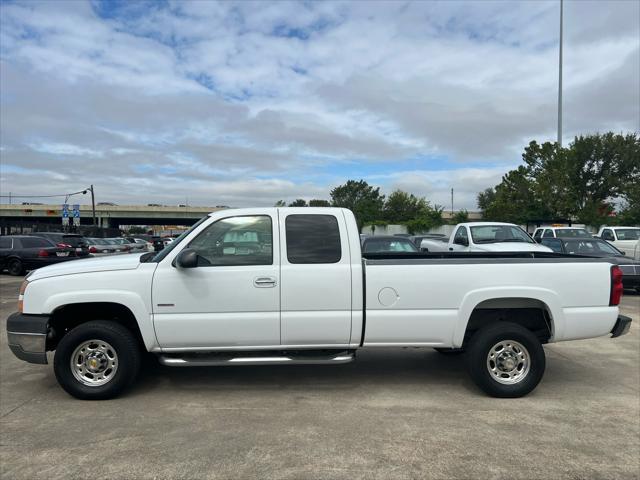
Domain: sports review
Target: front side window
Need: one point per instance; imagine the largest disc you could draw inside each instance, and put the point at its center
(313, 239)
(548, 234)
(461, 237)
(235, 241)
(538, 234)
(608, 235)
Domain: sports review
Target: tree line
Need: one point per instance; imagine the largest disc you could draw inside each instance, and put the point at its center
(585, 182)
(595, 180)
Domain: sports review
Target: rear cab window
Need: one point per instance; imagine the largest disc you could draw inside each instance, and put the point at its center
(312, 239)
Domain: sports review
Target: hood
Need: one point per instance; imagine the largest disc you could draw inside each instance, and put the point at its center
(511, 247)
(128, 261)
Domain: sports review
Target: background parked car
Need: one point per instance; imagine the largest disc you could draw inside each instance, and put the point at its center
(560, 232)
(388, 244)
(66, 240)
(623, 238)
(121, 244)
(19, 253)
(100, 246)
(137, 244)
(417, 239)
(595, 247)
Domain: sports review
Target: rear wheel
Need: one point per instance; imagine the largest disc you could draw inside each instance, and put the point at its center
(15, 267)
(505, 360)
(97, 360)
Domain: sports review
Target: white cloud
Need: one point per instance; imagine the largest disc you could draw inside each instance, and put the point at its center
(250, 102)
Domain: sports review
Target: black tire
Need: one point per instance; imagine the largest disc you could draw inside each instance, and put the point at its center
(15, 267)
(478, 361)
(127, 353)
(450, 351)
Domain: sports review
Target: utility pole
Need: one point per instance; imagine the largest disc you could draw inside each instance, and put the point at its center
(93, 206)
(560, 81)
(452, 203)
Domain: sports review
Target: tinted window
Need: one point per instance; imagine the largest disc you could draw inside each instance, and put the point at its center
(35, 242)
(313, 239)
(554, 244)
(5, 242)
(461, 237)
(236, 241)
(607, 235)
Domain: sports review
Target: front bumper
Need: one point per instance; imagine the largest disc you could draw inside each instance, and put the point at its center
(621, 327)
(27, 336)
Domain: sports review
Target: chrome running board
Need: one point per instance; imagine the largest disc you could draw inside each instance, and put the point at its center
(219, 360)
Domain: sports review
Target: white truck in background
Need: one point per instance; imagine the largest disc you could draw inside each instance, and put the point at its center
(290, 286)
(624, 239)
(484, 237)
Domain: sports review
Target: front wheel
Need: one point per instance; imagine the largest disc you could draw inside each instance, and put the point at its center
(505, 360)
(97, 360)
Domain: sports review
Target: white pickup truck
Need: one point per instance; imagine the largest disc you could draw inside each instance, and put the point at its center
(290, 286)
(484, 237)
(624, 239)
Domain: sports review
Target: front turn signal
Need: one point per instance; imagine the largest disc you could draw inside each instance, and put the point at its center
(23, 288)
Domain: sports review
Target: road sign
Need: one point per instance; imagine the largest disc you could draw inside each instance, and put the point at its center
(65, 214)
(76, 215)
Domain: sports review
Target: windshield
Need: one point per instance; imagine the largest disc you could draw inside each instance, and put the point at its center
(499, 233)
(595, 247)
(572, 232)
(628, 233)
(379, 245)
(170, 246)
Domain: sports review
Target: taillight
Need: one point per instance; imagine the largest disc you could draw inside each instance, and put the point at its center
(616, 286)
(93, 249)
(43, 253)
(63, 245)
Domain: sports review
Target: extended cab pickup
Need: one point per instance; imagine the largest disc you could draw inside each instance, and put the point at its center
(484, 237)
(290, 286)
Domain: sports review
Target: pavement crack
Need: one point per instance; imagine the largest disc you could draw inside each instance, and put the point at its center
(17, 407)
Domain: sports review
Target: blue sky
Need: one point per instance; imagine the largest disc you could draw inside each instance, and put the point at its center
(251, 102)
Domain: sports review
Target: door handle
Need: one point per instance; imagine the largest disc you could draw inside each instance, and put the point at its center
(264, 282)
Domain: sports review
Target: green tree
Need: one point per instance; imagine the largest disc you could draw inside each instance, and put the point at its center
(485, 201)
(362, 199)
(280, 203)
(515, 199)
(460, 216)
(319, 203)
(298, 203)
(401, 207)
(581, 180)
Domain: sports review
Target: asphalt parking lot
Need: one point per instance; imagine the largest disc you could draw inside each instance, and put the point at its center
(391, 414)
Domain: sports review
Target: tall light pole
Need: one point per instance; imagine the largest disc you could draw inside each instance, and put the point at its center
(560, 81)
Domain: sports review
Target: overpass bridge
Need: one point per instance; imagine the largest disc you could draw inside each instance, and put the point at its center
(32, 216)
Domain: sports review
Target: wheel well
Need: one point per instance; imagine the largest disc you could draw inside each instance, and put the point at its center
(532, 314)
(67, 317)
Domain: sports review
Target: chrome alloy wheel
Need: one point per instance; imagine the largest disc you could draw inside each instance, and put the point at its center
(94, 363)
(508, 362)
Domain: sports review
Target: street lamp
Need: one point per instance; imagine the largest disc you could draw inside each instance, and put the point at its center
(93, 201)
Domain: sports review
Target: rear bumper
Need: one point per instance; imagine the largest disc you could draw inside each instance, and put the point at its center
(27, 337)
(621, 327)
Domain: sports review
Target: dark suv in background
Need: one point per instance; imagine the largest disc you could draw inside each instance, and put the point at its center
(66, 240)
(19, 253)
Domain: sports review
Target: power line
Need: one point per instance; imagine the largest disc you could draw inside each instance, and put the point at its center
(42, 196)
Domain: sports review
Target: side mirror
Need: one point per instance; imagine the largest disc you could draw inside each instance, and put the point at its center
(462, 241)
(187, 258)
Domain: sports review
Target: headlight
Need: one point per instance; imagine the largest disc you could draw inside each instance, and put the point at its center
(23, 288)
